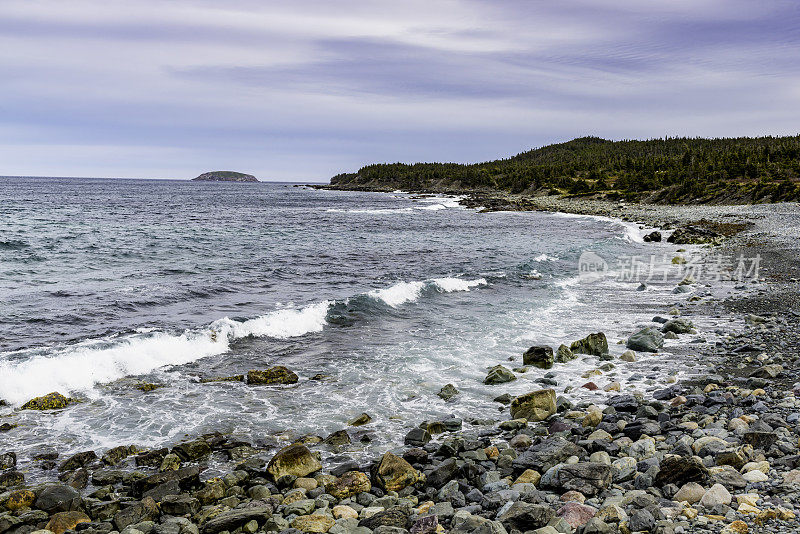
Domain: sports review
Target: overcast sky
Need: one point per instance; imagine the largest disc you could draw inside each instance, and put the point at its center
(301, 90)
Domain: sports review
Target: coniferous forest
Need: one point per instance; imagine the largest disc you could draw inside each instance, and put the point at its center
(744, 169)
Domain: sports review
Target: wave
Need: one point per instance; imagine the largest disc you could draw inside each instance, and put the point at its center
(403, 292)
(79, 368)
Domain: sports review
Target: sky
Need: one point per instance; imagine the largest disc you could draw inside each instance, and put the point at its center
(302, 90)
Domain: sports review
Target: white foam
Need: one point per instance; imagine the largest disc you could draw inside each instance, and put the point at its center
(544, 257)
(399, 293)
(78, 368)
(448, 285)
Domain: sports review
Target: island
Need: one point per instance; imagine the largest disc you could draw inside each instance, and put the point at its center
(225, 176)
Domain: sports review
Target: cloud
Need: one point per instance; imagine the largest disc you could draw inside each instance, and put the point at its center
(303, 90)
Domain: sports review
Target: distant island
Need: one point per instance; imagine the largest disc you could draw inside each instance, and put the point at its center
(225, 176)
(669, 170)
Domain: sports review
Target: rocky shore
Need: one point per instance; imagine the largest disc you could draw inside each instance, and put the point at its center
(715, 454)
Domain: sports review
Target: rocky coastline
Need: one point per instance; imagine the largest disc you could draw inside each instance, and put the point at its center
(718, 453)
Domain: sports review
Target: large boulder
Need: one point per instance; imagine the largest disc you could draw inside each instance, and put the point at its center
(294, 460)
(192, 450)
(184, 478)
(274, 375)
(534, 406)
(394, 473)
(51, 401)
(692, 235)
(498, 375)
(11, 478)
(540, 356)
(593, 344)
(546, 454)
(646, 340)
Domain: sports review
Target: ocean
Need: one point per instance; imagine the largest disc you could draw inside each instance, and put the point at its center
(381, 298)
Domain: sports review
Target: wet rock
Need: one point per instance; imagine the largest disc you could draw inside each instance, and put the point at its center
(593, 344)
(63, 521)
(54, 498)
(8, 460)
(192, 450)
(499, 375)
(394, 473)
(295, 460)
(564, 354)
(654, 236)
(361, 420)
(51, 401)
(338, 438)
(152, 458)
(417, 437)
(768, 371)
(646, 340)
(540, 356)
(19, 499)
(678, 326)
(443, 473)
(534, 406)
(144, 510)
(81, 459)
(628, 356)
(184, 478)
(11, 478)
(274, 375)
(115, 455)
(448, 392)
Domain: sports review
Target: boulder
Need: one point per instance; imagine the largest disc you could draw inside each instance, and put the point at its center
(654, 237)
(115, 455)
(716, 495)
(692, 235)
(540, 356)
(394, 473)
(192, 450)
(690, 492)
(144, 510)
(184, 478)
(295, 460)
(593, 344)
(498, 375)
(20, 499)
(180, 504)
(679, 470)
(534, 406)
(63, 521)
(646, 340)
(448, 392)
(51, 401)
(349, 484)
(417, 437)
(465, 523)
(393, 517)
(361, 420)
(316, 523)
(230, 521)
(54, 498)
(274, 375)
(678, 326)
(628, 356)
(588, 478)
(525, 516)
(576, 514)
(546, 454)
(564, 355)
(10, 479)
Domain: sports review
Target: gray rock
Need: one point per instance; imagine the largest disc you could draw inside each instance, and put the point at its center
(646, 340)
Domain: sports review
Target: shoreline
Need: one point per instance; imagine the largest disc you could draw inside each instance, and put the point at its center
(498, 462)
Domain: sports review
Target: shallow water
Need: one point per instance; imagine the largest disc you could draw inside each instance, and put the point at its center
(106, 282)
